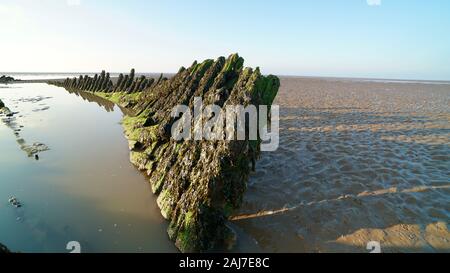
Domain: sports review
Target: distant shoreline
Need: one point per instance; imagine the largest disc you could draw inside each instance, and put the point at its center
(363, 80)
(34, 81)
(356, 79)
(379, 80)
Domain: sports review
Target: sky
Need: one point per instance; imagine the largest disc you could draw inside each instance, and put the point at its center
(398, 39)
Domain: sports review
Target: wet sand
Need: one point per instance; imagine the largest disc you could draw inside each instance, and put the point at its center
(359, 161)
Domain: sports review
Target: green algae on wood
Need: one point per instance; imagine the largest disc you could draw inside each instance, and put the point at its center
(198, 183)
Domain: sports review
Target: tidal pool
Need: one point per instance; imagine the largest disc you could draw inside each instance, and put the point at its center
(83, 188)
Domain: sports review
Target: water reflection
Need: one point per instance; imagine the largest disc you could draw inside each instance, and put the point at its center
(83, 189)
(106, 104)
(9, 119)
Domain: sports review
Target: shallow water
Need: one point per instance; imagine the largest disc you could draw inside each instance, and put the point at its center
(83, 189)
(358, 162)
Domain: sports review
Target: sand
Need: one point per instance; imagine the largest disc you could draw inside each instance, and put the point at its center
(358, 161)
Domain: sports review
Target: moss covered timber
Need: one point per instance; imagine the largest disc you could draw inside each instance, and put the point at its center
(124, 92)
(198, 183)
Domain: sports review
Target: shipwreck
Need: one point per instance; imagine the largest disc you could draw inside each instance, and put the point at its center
(198, 183)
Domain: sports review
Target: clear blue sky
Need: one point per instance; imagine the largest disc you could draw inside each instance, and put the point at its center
(396, 39)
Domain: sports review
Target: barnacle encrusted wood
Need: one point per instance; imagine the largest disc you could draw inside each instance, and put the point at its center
(198, 182)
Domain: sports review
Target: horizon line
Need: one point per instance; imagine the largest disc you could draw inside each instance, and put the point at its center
(279, 75)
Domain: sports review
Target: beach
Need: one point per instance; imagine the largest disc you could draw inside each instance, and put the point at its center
(359, 161)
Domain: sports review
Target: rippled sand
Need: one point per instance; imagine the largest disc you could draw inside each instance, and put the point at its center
(358, 162)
